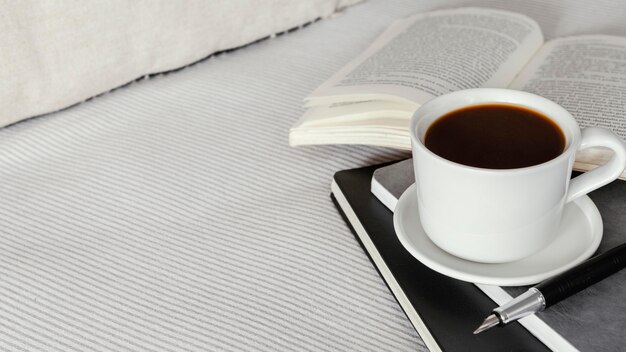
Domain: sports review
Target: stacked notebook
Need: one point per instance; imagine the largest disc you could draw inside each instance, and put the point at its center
(445, 311)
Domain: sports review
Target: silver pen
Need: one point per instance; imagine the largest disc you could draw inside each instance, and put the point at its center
(557, 288)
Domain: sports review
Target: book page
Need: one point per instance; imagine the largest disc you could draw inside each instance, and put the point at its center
(430, 54)
(587, 76)
(340, 113)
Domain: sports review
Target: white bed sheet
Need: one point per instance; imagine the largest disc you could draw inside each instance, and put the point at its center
(171, 215)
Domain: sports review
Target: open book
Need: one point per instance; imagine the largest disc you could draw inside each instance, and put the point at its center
(371, 100)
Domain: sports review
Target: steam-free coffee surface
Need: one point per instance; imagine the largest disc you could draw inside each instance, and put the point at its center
(495, 136)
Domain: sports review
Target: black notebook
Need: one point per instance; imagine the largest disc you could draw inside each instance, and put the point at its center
(444, 311)
(592, 320)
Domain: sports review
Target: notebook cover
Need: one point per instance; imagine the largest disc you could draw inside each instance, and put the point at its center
(450, 309)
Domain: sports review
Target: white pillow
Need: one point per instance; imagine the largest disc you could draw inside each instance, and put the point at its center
(54, 54)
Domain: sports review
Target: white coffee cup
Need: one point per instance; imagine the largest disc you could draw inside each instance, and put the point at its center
(502, 215)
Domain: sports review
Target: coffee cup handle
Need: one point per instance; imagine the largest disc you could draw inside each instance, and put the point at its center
(602, 175)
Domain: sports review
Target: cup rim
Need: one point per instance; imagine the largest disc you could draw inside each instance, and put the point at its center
(482, 92)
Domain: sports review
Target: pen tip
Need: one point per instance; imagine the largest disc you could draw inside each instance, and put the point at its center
(491, 321)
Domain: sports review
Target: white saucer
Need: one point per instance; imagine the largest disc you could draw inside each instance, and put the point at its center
(579, 236)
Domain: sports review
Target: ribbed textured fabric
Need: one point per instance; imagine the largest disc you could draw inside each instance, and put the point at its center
(171, 215)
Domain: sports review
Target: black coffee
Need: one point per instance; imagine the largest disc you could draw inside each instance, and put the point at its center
(495, 136)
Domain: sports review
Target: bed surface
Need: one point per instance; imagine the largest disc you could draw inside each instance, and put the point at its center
(171, 215)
